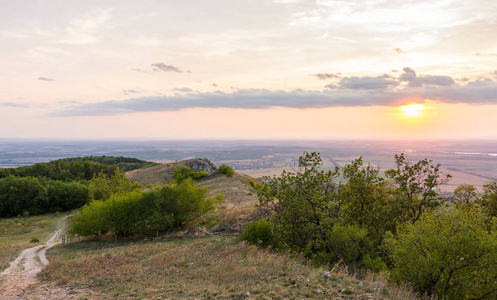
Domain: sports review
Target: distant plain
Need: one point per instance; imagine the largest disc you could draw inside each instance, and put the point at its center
(473, 162)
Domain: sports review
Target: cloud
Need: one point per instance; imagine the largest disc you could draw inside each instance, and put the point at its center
(45, 79)
(323, 76)
(131, 91)
(183, 90)
(383, 90)
(85, 30)
(166, 68)
(139, 70)
(14, 104)
(367, 83)
(414, 80)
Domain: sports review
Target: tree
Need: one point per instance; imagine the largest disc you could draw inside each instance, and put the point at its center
(416, 186)
(447, 253)
(466, 193)
(101, 186)
(489, 198)
(177, 203)
(305, 202)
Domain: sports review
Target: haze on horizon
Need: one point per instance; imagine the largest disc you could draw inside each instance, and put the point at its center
(282, 69)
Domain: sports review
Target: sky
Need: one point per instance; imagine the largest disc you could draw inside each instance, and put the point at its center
(228, 69)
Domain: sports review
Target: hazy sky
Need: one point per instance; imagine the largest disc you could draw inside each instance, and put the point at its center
(248, 69)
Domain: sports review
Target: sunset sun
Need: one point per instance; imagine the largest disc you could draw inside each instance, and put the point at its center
(412, 110)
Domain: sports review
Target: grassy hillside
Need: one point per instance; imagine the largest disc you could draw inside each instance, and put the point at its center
(202, 268)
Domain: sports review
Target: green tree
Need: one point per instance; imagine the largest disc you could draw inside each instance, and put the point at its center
(466, 193)
(119, 214)
(176, 203)
(446, 253)
(416, 186)
(489, 198)
(309, 212)
(101, 186)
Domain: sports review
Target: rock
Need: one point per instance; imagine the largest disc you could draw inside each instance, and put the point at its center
(200, 164)
(326, 275)
(319, 292)
(361, 283)
(248, 294)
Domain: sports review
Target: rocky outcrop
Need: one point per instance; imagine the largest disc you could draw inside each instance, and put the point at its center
(199, 164)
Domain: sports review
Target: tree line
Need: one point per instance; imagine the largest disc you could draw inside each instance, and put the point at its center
(58, 185)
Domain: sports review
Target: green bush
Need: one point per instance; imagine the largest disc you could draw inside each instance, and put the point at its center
(157, 209)
(183, 173)
(226, 170)
(34, 240)
(261, 233)
(449, 254)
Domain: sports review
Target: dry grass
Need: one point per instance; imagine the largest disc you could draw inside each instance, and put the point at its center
(206, 268)
(13, 240)
(240, 199)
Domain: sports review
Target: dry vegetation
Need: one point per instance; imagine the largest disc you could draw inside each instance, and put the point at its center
(240, 199)
(205, 268)
(16, 235)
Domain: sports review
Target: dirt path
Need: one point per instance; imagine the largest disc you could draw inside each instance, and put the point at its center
(19, 280)
(22, 271)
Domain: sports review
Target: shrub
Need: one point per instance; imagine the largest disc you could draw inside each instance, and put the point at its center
(226, 170)
(183, 173)
(34, 240)
(449, 254)
(261, 233)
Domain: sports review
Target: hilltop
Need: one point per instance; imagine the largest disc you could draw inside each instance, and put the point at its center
(240, 197)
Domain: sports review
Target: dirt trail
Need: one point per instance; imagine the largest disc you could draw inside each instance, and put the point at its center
(19, 280)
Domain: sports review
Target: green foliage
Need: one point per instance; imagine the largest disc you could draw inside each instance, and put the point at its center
(305, 203)
(226, 170)
(61, 170)
(31, 196)
(160, 209)
(489, 198)
(447, 253)
(345, 243)
(183, 173)
(118, 214)
(19, 195)
(123, 163)
(34, 240)
(261, 233)
(101, 186)
(332, 221)
(466, 193)
(177, 203)
(416, 186)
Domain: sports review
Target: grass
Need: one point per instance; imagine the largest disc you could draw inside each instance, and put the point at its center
(205, 268)
(17, 234)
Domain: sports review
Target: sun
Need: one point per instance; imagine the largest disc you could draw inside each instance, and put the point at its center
(412, 110)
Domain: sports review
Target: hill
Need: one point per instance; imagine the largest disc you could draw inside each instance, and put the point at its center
(240, 197)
